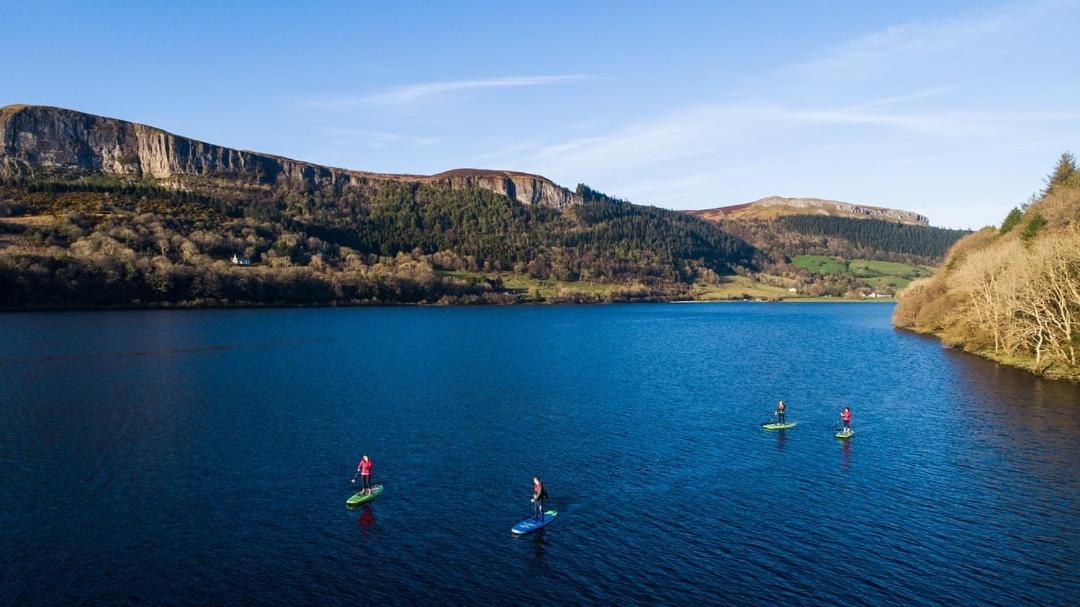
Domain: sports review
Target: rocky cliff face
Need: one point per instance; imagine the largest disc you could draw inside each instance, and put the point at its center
(37, 140)
(777, 206)
(523, 187)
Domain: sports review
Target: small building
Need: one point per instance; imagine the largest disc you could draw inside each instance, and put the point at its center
(240, 261)
(792, 290)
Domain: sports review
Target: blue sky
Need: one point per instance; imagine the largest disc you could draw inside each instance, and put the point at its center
(953, 109)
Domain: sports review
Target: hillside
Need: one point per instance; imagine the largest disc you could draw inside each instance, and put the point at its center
(102, 212)
(1012, 294)
(867, 250)
(774, 207)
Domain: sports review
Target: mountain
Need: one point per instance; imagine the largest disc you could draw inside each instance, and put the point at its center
(1012, 294)
(773, 207)
(789, 228)
(97, 211)
(828, 247)
(53, 142)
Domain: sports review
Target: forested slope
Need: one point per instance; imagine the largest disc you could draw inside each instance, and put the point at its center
(847, 238)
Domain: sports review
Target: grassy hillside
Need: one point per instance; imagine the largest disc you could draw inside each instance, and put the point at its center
(882, 276)
(1012, 293)
(819, 264)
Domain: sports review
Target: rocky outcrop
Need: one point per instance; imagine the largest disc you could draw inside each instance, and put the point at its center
(523, 187)
(777, 206)
(37, 140)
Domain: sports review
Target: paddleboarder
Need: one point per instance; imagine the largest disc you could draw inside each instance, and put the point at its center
(845, 416)
(780, 409)
(364, 470)
(539, 495)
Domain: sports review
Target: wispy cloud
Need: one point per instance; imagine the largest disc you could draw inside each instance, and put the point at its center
(867, 54)
(378, 139)
(414, 93)
(707, 129)
(878, 116)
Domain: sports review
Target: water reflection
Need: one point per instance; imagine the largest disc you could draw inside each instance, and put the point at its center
(781, 439)
(538, 562)
(366, 520)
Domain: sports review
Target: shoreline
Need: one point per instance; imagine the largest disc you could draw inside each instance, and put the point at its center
(283, 306)
(1023, 363)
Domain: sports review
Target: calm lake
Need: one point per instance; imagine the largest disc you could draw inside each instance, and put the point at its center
(204, 457)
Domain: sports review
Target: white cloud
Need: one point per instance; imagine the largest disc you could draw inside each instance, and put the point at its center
(414, 93)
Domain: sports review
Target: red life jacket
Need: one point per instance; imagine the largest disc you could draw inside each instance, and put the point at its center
(364, 468)
(845, 415)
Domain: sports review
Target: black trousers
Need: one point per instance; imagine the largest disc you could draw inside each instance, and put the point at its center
(780, 414)
(538, 508)
(365, 481)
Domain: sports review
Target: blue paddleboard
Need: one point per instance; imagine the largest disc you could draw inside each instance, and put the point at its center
(532, 523)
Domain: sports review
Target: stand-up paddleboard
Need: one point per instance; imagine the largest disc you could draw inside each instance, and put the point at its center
(845, 434)
(779, 426)
(360, 498)
(532, 523)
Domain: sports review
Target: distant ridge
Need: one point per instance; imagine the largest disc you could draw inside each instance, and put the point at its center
(773, 207)
(36, 140)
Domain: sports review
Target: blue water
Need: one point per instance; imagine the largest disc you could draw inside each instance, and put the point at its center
(204, 457)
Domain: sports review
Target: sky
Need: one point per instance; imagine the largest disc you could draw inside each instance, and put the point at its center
(953, 109)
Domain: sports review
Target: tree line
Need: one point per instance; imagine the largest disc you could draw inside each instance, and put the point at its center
(876, 235)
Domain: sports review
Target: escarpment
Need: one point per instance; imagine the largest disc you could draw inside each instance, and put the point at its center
(39, 141)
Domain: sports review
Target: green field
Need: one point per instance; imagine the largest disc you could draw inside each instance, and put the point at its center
(868, 268)
(876, 274)
(738, 287)
(545, 289)
(819, 264)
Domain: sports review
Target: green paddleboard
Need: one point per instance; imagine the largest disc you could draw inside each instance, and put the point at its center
(778, 426)
(358, 498)
(845, 434)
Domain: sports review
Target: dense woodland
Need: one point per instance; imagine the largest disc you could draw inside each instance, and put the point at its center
(93, 241)
(848, 238)
(1012, 293)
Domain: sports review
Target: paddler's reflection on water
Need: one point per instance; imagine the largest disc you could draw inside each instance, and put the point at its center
(845, 454)
(366, 519)
(781, 440)
(539, 550)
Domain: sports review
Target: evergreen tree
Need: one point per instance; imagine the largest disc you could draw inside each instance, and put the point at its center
(1064, 171)
(1013, 219)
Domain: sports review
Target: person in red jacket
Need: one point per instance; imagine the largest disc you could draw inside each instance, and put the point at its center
(364, 470)
(845, 416)
(781, 408)
(539, 495)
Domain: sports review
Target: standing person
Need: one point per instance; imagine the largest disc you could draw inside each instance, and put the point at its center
(845, 416)
(780, 409)
(539, 495)
(364, 470)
